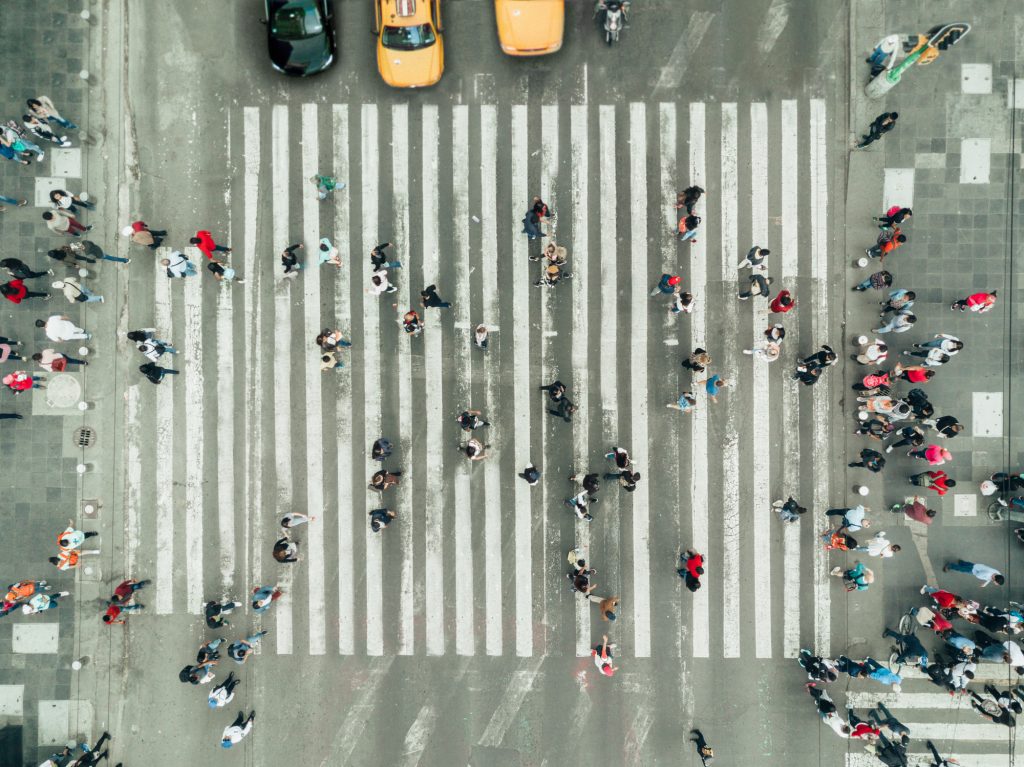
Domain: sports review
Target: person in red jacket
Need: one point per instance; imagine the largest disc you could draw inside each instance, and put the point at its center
(782, 303)
(914, 373)
(16, 292)
(204, 241)
(977, 302)
(936, 480)
(693, 570)
(20, 381)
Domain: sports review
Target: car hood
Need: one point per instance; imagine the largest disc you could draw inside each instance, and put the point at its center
(304, 56)
(410, 69)
(531, 24)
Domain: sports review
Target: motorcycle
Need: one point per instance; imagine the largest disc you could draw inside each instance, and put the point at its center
(615, 18)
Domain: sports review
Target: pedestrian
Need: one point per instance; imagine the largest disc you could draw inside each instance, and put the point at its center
(89, 252)
(92, 756)
(686, 403)
(329, 339)
(704, 751)
(41, 128)
(263, 597)
(42, 602)
(75, 292)
(326, 186)
(379, 260)
(411, 323)
(531, 474)
(935, 455)
(62, 222)
(126, 589)
(895, 215)
(687, 229)
(692, 570)
(837, 540)
(991, 710)
(480, 336)
(879, 546)
(768, 352)
(817, 668)
(782, 303)
(203, 240)
(155, 373)
(69, 559)
(544, 213)
(688, 198)
(870, 459)
(938, 481)
(384, 479)
(920, 405)
(469, 420)
(666, 284)
(43, 108)
(901, 322)
(201, 673)
(916, 510)
(429, 298)
(897, 300)
(475, 450)
(328, 253)
(602, 655)
(886, 243)
(66, 201)
(579, 503)
(680, 302)
(883, 56)
(11, 201)
(20, 381)
(912, 436)
(788, 510)
(381, 518)
(606, 607)
(16, 292)
(215, 611)
(381, 449)
(881, 125)
(531, 225)
(590, 482)
(883, 675)
(237, 730)
(114, 610)
(856, 578)
(874, 383)
(938, 760)
(286, 550)
(620, 457)
(7, 349)
(983, 573)
(851, 519)
(883, 718)
(72, 538)
(878, 281)
(295, 519)
(565, 409)
(379, 284)
(150, 346)
(756, 257)
(976, 302)
(290, 261)
(223, 693)
(698, 361)
(19, 270)
(913, 373)
(714, 385)
(223, 274)
(626, 478)
(240, 650)
(178, 265)
(874, 353)
(758, 286)
(946, 344)
(1003, 482)
(140, 234)
(775, 333)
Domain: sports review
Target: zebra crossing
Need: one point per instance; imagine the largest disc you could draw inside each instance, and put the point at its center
(473, 564)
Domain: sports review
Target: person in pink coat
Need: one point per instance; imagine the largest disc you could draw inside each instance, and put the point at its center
(978, 302)
(935, 455)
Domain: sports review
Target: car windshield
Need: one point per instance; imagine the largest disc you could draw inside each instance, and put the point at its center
(408, 38)
(297, 21)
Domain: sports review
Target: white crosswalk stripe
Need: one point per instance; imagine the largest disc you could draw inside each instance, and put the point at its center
(469, 566)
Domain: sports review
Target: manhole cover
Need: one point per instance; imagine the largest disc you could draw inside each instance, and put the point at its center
(63, 391)
(84, 437)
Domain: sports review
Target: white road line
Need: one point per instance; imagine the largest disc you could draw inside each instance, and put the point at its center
(226, 524)
(521, 387)
(731, 622)
(667, 136)
(790, 245)
(350, 733)
(579, 151)
(434, 574)
(512, 700)
(192, 363)
(164, 472)
(774, 23)
(400, 228)
(283, 500)
(986, 672)
(638, 389)
(689, 41)
(636, 734)
(905, 700)
(310, 276)
(420, 730)
(925, 760)
(343, 412)
(819, 278)
(253, 423)
(492, 475)
(699, 422)
(463, 383)
(133, 472)
(760, 423)
(372, 381)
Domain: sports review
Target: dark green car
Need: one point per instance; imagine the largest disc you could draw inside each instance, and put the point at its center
(300, 36)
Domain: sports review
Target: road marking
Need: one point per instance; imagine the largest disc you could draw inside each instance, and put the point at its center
(282, 323)
(350, 733)
(492, 474)
(762, 399)
(774, 23)
(731, 621)
(465, 641)
(897, 186)
(400, 224)
(636, 735)
(133, 471)
(521, 389)
(434, 579)
(226, 524)
(699, 421)
(925, 760)
(819, 278)
(790, 244)
(420, 730)
(515, 693)
(689, 41)
(314, 401)
(905, 700)
(579, 143)
(343, 413)
(370, 183)
(194, 438)
(639, 384)
(163, 474)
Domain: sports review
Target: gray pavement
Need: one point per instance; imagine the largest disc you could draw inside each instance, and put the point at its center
(452, 638)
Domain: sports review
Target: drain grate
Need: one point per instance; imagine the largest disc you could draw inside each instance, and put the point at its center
(84, 437)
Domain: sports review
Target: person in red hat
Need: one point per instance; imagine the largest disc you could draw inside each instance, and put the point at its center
(666, 285)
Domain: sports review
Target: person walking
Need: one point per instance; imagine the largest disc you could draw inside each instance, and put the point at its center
(326, 186)
(897, 300)
(379, 259)
(19, 270)
(16, 292)
(713, 385)
(20, 381)
(150, 346)
(856, 578)
(893, 217)
(222, 273)
(946, 427)
(874, 353)
(870, 459)
(755, 259)
(666, 285)
(901, 322)
(155, 373)
(605, 606)
(203, 240)
(788, 510)
(328, 254)
(214, 612)
(237, 730)
(125, 590)
(295, 519)
(240, 650)
(531, 225)
(379, 284)
(114, 610)
(983, 573)
(41, 602)
(223, 693)
(680, 302)
(43, 108)
(767, 352)
(602, 655)
(758, 286)
(62, 200)
(851, 520)
(688, 198)
(686, 403)
(59, 328)
(178, 265)
(564, 409)
(411, 323)
(62, 222)
(619, 456)
(935, 455)
(70, 558)
(381, 449)
(626, 478)
(881, 125)
(692, 570)
(946, 344)
(429, 298)
(698, 361)
(912, 436)
(938, 761)
(41, 128)
(93, 756)
(71, 538)
(263, 597)
(475, 450)
(886, 243)
(579, 504)
(89, 252)
(290, 261)
(918, 374)
(480, 336)
(880, 546)
(704, 751)
(531, 474)
(878, 281)
(381, 518)
(383, 479)
(687, 228)
(11, 201)
(140, 234)
(782, 303)
(884, 719)
(469, 420)
(938, 481)
(75, 292)
(976, 302)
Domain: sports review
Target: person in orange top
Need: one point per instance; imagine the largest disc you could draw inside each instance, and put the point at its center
(887, 242)
(69, 559)
(204, 241)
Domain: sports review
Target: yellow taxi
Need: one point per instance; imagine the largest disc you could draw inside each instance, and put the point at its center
(530, 27)
(410, 53)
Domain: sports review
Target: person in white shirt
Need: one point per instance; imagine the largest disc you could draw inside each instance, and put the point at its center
(379, 283)
(223, 693)
(879, 546)
(237, 730)
(177, 265)
(75, 292)
(59, 328)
